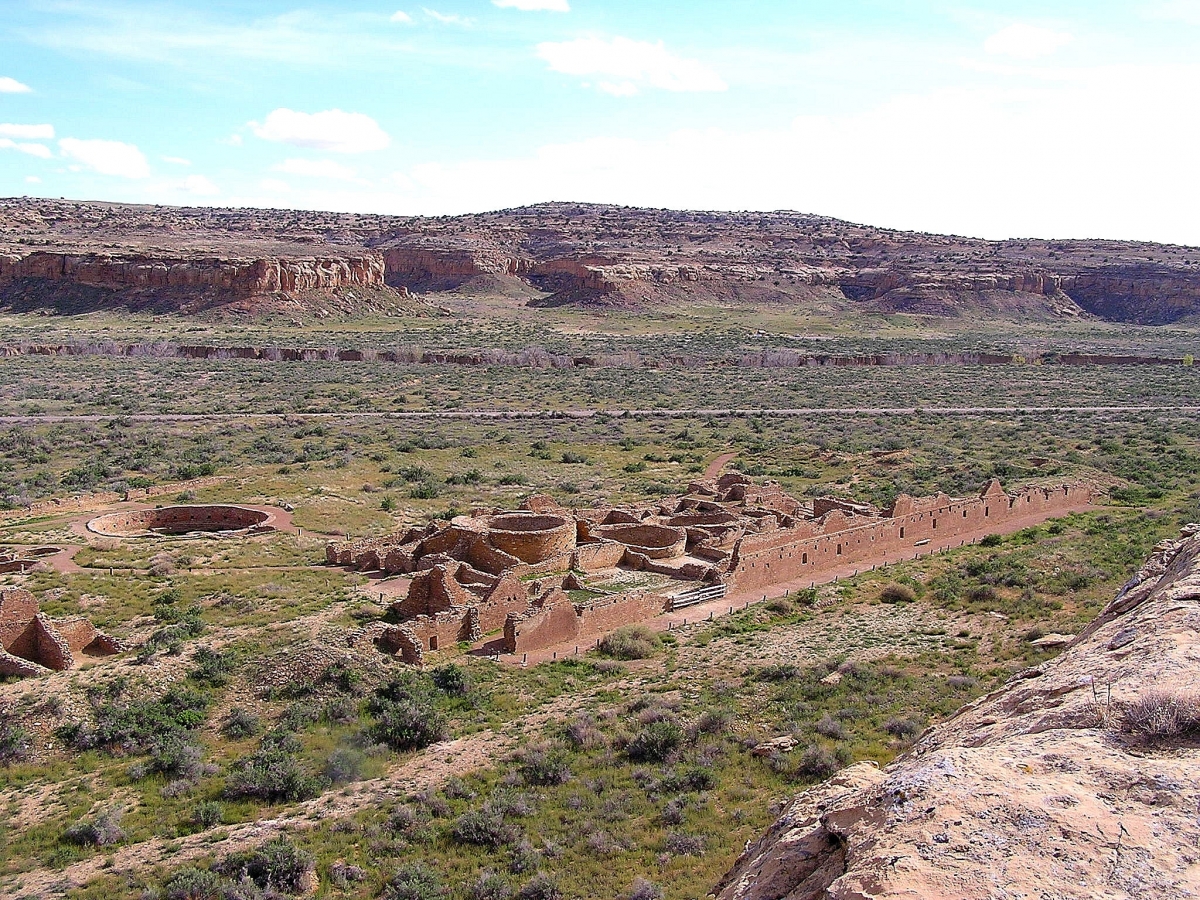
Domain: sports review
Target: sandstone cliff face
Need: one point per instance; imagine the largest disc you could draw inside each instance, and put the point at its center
(237, 277)
(581, 254)
(1078, 779)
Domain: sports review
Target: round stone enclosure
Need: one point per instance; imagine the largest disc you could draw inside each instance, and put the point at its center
(531, 537)
(653, 541)
(181, 520)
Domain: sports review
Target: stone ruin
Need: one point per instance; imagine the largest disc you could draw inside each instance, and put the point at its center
(182, 520)
(21, 560)
(32, 643)
(518, 571)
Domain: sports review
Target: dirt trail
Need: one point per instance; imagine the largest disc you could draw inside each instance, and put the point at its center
(715, 467)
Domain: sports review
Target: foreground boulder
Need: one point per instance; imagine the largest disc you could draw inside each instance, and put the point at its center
(1079, 779)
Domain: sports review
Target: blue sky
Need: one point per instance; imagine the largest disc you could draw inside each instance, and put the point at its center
(1056, 119)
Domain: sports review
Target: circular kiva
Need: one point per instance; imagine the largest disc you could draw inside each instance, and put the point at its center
(531, 537)
(653, 541)
(179, 520)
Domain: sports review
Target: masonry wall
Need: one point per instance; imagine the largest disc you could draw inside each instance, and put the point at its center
(556, 622)
(18, 609)
(843, 539)
(599, 618)
(597, 557)
(443, 631)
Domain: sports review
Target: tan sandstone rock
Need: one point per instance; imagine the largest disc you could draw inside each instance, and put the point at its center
(1047, 788)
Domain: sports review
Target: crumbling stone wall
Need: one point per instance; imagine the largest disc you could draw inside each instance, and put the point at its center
(32, 643)
(842, 538)
(552, 620)
(597, 556)
(532, 537)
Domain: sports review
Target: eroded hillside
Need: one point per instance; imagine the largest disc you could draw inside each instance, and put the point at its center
(72, 255)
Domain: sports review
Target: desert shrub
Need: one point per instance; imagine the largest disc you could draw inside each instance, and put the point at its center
(584, 733)
(208, 813)
(102, 831)
(679, 844)
(408, 724)
(194, 884)
(343, 875)
(894, 592)
(991, 540)
(414, 882)
(15, 743)
(540, 887)
(489, 886)
(273, 774)
(134, 726)
(344, 765)
(655, 742)
(645, 890)
(341, 710)
(483, 827)
(905, 729)
(631, 642)
(962, 682)
(690, 778)
(714, 721)
(542, 766)
(572, 458)
(817, 763)
(212, 668)
(778, 672)
(830, 728)
(241, 723)
(276, 865)
(176, 757)
(453, 680)
(1162, 714)
(298, 716)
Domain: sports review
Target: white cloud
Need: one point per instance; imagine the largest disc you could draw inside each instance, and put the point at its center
(107, 157)
(177, 160)
(531, 5)
(275, 186)
(1026, 41)
(626, 65)
(28, 132)
(32, 179)
(39, 150)
(200, 186)
(332, 130)
(12, 86)
(316, 168)
(448, 18)
(402, 17)
(958, 161)
(1187, 11)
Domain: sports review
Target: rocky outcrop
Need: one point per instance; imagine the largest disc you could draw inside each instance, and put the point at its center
(1078, 779)
(236, 277)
